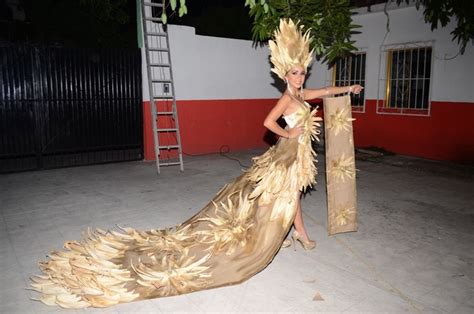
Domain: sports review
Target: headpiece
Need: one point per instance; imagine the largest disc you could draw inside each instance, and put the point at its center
(290, 48)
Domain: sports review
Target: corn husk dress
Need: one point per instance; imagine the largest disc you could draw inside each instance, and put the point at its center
(231, 239)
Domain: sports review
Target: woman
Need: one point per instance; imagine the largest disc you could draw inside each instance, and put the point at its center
(287, 106)
(232, 238)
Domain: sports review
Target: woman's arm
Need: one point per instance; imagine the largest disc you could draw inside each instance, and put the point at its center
(270, 121)
(331, 90)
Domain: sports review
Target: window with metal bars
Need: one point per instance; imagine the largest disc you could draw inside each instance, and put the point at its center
(408, 78)
(350, 70)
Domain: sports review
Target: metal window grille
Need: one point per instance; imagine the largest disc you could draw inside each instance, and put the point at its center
(350, 70)
(407, 79)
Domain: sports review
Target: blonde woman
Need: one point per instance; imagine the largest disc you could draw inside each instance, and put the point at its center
(287, 106)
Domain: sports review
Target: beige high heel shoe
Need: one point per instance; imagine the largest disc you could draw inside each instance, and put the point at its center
(286, 243)
(307, 245)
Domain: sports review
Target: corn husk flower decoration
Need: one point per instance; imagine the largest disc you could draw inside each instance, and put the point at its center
(343, 168)
(85, 274)
(289, 48)
(231, 226)
(340, 121)
(173, 275)
(158, 242)
(343, 216)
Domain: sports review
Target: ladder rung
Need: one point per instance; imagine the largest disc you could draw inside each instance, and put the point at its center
(160, 81)
(151, 4)
(160, 65)
(158, 49)
(161, 34)
(170, 163)
(166, 95)
(154, 19)
(168, 147)
(167, 130)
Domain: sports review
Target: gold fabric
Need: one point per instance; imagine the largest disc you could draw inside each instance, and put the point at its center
(290, 48)
(232, 238)
(340, 165)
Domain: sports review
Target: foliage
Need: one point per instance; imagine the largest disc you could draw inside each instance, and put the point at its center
(173, 4)
(441, 11)
(329, 21)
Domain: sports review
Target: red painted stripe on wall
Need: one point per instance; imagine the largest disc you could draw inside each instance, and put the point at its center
(447, 134)
(207, 126)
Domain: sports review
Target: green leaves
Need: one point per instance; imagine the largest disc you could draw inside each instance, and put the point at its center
(441, 11)
(173, 4)
(250, 3)
(182, 8)
(329, 21)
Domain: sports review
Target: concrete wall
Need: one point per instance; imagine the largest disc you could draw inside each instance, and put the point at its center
(207, 67)
(219, 68)
(445, 133)
(407, 25)
(225, 88)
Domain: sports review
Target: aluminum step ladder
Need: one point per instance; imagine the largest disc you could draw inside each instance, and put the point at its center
(161, 86)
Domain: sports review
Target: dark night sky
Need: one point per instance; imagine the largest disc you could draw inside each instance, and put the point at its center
(63, 23)
(66, 23)
(222, 18)
(228, 18)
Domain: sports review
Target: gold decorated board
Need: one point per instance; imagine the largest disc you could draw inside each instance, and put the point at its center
(340, 165)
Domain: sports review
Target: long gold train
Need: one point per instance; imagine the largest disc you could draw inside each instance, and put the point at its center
(231, 239)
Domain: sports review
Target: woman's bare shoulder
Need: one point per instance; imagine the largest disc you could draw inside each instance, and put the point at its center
(284, 101)
(285, 98)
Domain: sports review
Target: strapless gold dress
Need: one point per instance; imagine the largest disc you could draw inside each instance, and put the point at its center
(232, 238)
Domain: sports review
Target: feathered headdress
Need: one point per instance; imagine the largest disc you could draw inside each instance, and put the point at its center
(290, 48)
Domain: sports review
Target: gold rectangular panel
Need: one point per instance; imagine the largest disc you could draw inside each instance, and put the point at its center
(340, 165)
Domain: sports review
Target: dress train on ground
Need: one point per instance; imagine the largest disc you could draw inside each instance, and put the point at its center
(232, 238)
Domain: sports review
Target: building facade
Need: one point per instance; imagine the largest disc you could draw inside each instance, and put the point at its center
(418, 97)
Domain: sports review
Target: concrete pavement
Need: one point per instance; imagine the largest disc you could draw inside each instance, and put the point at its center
(413, 252)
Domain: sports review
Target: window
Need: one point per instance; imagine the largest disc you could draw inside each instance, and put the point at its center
(349, 71)
(408, 81)
(404, 81)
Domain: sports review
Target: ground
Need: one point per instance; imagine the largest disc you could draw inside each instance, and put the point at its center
(413, 251)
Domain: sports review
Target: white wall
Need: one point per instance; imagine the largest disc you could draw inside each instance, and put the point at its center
(452, 80)
(207, 67)
(218, 68)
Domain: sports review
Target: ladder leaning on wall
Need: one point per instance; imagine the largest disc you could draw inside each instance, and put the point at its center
(165, 126)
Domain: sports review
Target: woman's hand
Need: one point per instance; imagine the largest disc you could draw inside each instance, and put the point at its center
(295, 132)
(356, 89)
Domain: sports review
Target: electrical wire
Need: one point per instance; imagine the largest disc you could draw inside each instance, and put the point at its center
(223, 151)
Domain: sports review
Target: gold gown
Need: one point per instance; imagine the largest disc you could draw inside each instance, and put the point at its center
(231, 239)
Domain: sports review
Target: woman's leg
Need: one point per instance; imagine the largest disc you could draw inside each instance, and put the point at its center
(299, 224)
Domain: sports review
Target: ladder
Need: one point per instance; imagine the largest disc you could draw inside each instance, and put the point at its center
(161, 86)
